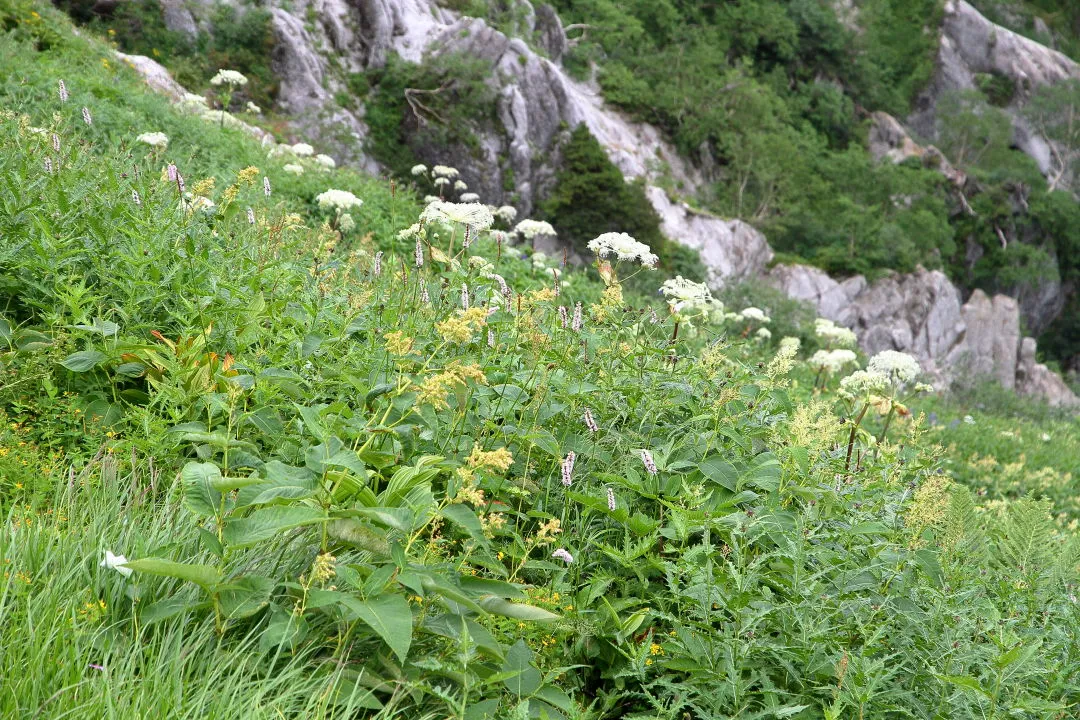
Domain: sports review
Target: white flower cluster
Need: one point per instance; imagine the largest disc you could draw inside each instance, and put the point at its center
(474, 214)
(294, 169)
(338, 200)
(529, 229)
(688, 296)
(763, 334)
(253, 108)
(443, 171)
(157, 140)
(469, 198)
(325, 161)
(832, 361)
(834, 334)
(623, 247)
(228, 77)
(506, 213)
(897, 367)
(792, 343)
(752, 313)
(419, 169)
(888, 369)
(303, 150)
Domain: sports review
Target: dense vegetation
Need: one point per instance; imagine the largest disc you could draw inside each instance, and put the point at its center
(351, 475)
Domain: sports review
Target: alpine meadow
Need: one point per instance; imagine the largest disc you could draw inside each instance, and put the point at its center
(491, 359)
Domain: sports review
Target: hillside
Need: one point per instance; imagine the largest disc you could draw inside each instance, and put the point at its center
(282, 437)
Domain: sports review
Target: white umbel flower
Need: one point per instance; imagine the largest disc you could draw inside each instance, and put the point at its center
(294, 169)
(834, 334)
(444, 171)
(325, 161)
(157, 140)
(688, 296)
(753, 313)
(529, 229)
(832, 361)
(897, 367)
(418, 169)
(338, 200)
(473, 214)
(229, 77)
(303, 150)
(623, 247)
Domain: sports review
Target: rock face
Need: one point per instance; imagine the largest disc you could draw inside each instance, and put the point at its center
(1037, 380)
(155, 75)
(921, 313)
(730, 249)
(970, 46)
(889, 140)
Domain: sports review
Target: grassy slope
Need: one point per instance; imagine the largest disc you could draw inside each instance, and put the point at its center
(753, 573)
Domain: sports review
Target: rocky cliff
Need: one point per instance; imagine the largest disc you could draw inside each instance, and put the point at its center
(536, 101)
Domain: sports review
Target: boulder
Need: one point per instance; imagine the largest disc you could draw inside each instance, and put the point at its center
(730, 249)
(993, 336)
(155, 75)
(1034, 379)
(889, 140)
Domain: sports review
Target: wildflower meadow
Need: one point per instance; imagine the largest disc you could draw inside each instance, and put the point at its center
(315, 444)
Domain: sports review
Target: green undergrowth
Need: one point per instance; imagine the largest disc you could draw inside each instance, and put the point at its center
(350, 475)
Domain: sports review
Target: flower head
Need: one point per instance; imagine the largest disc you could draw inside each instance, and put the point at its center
(418, 169)
(86, 116)
(303, 150)
(293, 169)
(753, 313)
(647, 460)
(834, 334)
(228, 77)
(473, 214)
(116, 562)
(568, 468)
(443, 171)
(899, 368)
(564, 555)
(530, 229)
(623, 247)
(338, 200)
(589, 421)
(687, 296)
(611, 500)
(266, 186)
(63, 91)
(325, 161)
(154, 139)
(832, 361)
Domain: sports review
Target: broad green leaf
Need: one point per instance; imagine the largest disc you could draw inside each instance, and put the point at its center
(463, 516)
(764, 473)
(391, 619)
(84, 360)
(202, 575)
(200, 495)
(244, 596)
(518, 611)
(526, 679)
(966, 682)
(720, 472)
(265, 523)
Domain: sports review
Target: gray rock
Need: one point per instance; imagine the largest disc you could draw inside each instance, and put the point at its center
(549, 32)
(1036, 380)
(972, 45)
(730, 249)
(814, 286)
(155, 75)
(889, 140)
(178, 18)
(993, 336)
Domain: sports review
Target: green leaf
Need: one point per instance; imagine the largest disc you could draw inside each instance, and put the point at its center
(5, 330)
(390, 617)
(966, 682)
(720, 472)
(764, 473)
(526, 679)
(265, 523)
(200, 495)
(518, 611)
(245, 596)
(463, 516)
(203, 575)
(84, 360)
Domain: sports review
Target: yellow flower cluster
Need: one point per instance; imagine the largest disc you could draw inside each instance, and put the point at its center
(929, 506)
(460, 328)
(432, 391)
(323, 568)
(610, 301)
(397, 343)
(499, 460)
